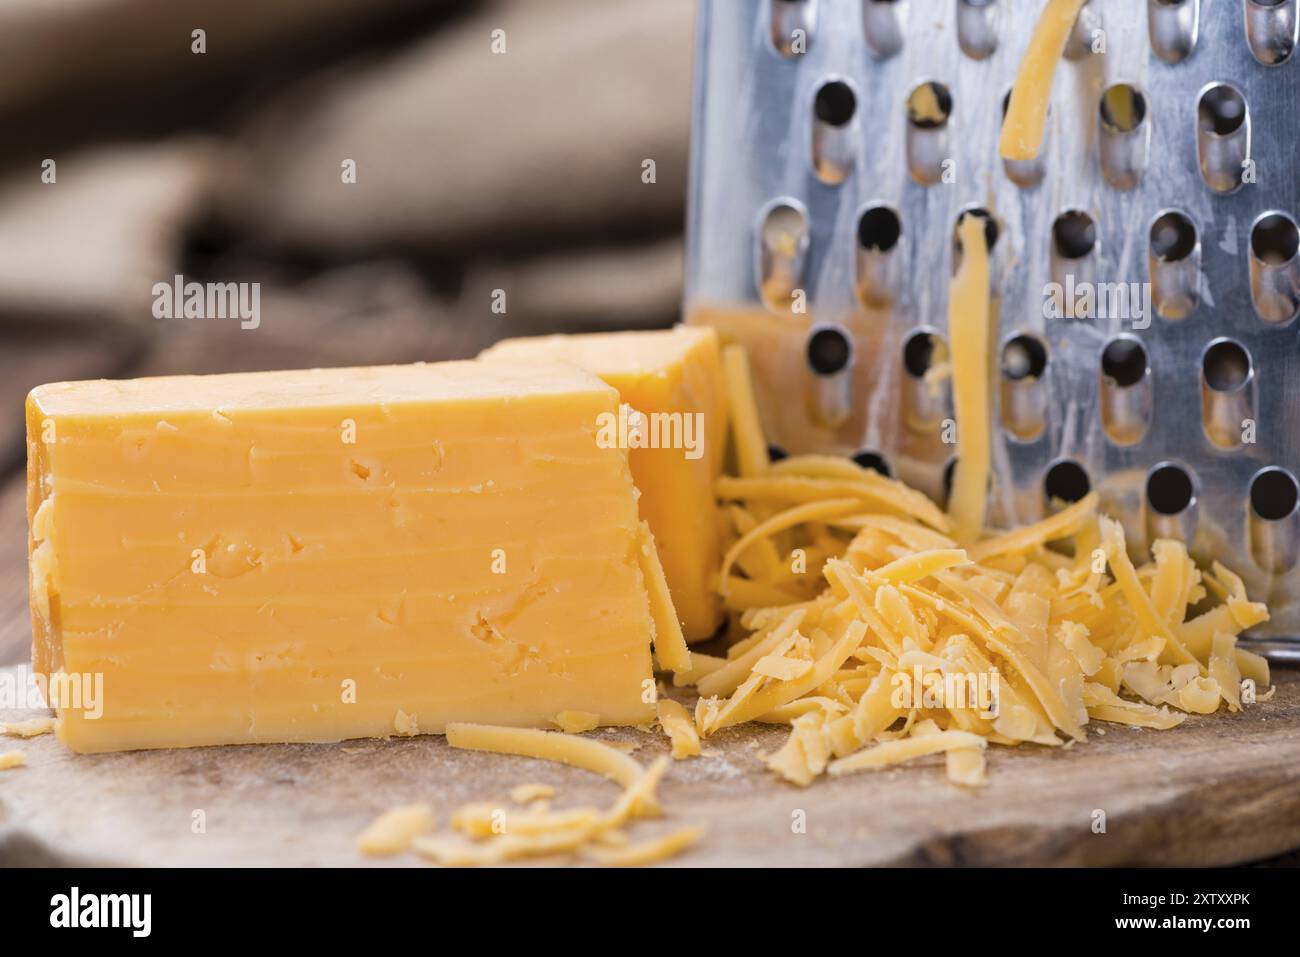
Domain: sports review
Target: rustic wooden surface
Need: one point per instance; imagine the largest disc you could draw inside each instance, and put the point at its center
(1219, 790)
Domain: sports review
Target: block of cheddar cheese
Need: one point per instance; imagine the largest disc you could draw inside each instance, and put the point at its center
(670, 376)
(332, 554)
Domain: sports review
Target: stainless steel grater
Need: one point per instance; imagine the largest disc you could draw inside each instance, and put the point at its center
(837, 142)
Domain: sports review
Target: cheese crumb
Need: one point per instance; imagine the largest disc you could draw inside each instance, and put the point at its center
(394, 830)
(29, 728)
(405, 724)
(12, 759)
(528, 793)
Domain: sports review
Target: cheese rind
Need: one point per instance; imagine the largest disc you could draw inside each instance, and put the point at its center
(673, 372)
(301, 556)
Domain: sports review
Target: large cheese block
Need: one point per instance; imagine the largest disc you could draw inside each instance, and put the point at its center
(329, 554)
(664, 372)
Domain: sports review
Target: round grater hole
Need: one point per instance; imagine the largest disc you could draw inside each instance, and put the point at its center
(873, 461)
(1123, 108)
(1274, 494)
(1173, 237)
(879, 228)
(991, 229)
(792, 25)
(929, 105)
(829, 352)
(922, 351)
(1066, 481)
(1275, 239)
(1124, 361)
(1170, 490)
(1024, 358)
(1074, 234)
(1221, 109)
(835, 103)
(776, 453)
(1226, 366)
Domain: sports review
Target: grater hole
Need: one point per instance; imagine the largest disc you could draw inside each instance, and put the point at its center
(922, 351)
(1173, 237)
(1221, 110)
(949, 472)
(1271, 30)
(1170, 490)
(829, 351)
(1066, 481)
(1074, 234)
(873, 461)
(835, 103)
(1173, 26)
(1123, 108)
(1226, 366)
(776, 453)
(784, 229)
(991, 229)
(881, 27)
(1024, 358)
(977, 28)
(1275, 239)
(1274, 494)
(929, 106)
(879, 229)
(1124, 361)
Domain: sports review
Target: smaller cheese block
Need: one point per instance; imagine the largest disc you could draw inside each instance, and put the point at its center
(331, 554)
(670, 372)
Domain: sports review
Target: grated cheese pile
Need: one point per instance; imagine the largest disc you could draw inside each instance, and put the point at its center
(862, 624)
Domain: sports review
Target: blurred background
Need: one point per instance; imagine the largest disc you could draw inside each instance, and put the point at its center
(477, 170)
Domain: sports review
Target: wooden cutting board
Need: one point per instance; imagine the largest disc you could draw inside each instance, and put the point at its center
(1218, 790)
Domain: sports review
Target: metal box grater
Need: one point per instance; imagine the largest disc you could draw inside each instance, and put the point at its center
(822, 179)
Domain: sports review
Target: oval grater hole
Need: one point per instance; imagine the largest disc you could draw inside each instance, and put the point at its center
(1030, 172)
(991, 229)
(829, 351)
(879, 228)
(1124, 361)
(1074, 234)
(1274, 494)
(792, 25)
(1173, 237)
(873, 461)
(776, 453)
(835, 103)
(881, 27)
(1024, 358)
(1221, 109)
(1170, 489)
(1173, 26)
(1226, 366)
(1123, 108)
(1275, 239)
(929, 105)
(1271, 30)
(1066, 481)
(922, 351)
(783, 239)
(977, 28)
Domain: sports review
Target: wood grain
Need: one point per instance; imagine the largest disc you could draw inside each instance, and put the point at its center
(1218, 790)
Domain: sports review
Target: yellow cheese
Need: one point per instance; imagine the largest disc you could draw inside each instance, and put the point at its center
(29, 728)
(576, 722)
(968, 330)
(649, 851)
(528, 793)
(1022, 128)
(679, 727)
(674, 379)
(300, 556)
(394, 830)
(12, 759)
